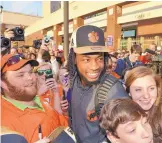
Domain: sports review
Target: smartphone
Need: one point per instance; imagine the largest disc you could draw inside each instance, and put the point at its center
(49, 76)
(64, 95)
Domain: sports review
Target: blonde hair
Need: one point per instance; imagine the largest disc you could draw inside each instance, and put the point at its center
(41, 65)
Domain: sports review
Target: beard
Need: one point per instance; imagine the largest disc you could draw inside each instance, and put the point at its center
(18, 93)
(90, 83)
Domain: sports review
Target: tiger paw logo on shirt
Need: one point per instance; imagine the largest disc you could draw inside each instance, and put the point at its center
(91, 116)
(93, 37)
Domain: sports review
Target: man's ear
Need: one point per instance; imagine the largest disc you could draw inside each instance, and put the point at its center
(4, 85)
(112, 138)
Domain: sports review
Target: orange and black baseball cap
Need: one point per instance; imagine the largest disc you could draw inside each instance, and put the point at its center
(12, 62)
(88, 39)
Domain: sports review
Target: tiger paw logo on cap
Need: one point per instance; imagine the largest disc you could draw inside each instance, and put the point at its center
(93, 37)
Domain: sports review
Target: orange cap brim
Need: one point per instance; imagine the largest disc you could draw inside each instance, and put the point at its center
(18, 65)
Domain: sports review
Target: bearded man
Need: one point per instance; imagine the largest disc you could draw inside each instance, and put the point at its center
(87, 63)
(22, 110)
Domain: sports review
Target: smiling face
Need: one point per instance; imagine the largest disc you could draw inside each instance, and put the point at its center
(90, 66)
(135, 132)
(144, 91)
(21, 84)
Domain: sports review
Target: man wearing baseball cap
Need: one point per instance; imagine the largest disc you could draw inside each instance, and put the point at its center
(22, 110)
(86, 67)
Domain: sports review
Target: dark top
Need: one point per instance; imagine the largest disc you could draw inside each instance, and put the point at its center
(85, 130)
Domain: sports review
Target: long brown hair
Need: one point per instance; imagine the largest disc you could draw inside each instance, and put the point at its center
(155, 119)
(155, 113)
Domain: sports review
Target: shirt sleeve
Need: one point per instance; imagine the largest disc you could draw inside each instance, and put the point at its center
(63, 120)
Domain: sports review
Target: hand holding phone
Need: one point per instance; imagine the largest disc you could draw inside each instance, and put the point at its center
(64, 103)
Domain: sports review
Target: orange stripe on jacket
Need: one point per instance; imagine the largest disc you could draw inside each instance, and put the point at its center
(115, 75)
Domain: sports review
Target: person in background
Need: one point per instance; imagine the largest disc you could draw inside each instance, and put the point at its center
(27, 55)
(64, 83)
(33, 56)
(118, 54)
(112, 63)
(122, 54)
(20, 50)
(115, 54)
(14, 50)
(130, 61)
(48, 88)
(32, 50)
(125, 122)
(153, 47)
(126, 54)
(64, 77)
(49, 48)
(146, 57)
(123, 50)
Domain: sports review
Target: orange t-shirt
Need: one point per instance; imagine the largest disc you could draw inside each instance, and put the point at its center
(27, 121)
(49, 95)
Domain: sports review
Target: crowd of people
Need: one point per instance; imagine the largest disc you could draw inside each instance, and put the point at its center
(100, 95)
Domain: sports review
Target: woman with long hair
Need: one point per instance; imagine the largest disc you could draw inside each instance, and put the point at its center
(145, 88)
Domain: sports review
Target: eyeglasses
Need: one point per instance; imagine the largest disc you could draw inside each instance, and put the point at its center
(13, 60)
(46, 72)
